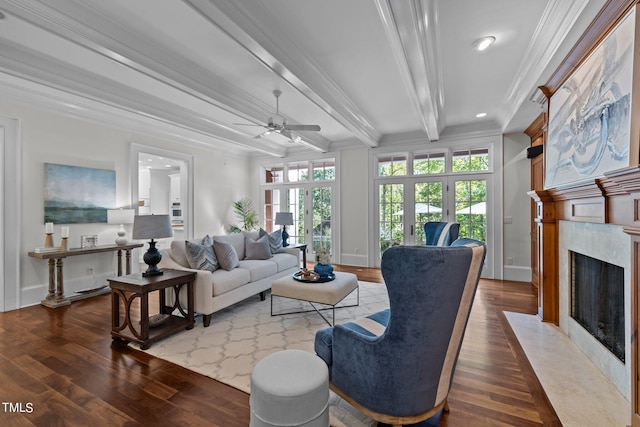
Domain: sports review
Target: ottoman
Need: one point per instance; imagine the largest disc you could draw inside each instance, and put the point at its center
(328, 293)
(290, 388)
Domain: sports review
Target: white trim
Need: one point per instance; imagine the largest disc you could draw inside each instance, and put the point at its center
(11, 223)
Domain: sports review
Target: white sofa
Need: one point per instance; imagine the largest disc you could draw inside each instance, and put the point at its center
(221, 288)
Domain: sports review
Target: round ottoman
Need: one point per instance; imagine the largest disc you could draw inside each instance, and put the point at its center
(290, 388)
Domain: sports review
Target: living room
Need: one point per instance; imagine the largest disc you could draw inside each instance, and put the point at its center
(44, 124)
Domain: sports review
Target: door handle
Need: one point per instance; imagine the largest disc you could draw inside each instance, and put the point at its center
(412, 229)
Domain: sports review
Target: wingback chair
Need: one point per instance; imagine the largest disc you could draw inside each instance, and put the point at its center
(396, 366)
(440, 233)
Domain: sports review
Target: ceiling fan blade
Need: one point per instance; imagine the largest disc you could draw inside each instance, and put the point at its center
(285, 132)
(304, 127)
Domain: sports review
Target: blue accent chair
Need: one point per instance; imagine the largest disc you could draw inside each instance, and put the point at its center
(441, 233)
(396, 366)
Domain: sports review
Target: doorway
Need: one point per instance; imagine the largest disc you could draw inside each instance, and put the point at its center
(162, 183)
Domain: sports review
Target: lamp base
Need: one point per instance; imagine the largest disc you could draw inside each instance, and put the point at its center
(152, 257)
(285, 237)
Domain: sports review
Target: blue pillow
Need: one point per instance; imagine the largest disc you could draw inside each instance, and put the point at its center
(201, 256)
(275, 240)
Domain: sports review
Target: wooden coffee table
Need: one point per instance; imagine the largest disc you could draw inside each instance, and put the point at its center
(328, 293)
(134, 288)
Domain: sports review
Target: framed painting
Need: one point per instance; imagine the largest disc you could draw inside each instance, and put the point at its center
(590, 113)
(77, 195)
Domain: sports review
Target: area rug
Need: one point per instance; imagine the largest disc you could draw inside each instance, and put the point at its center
(243, 334)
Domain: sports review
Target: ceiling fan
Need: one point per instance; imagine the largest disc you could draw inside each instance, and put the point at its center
(278, 124)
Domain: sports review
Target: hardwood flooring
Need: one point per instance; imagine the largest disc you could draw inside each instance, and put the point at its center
(60, 367)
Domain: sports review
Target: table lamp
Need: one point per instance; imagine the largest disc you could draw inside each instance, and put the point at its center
(284, 219)
(152, 227)
(122, 217)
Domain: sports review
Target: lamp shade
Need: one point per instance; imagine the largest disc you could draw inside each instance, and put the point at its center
(284, 218)
(151, 227)
(120, 216)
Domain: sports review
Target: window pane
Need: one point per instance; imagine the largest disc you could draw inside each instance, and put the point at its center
(295, 203)
(470, 160)
(428, 198)
(322, 218)
(324, 170)
(391, 225)
(424, 164)
(271, 206)
(471, 208)
(274, 174)
(298, 171)
(392, 165)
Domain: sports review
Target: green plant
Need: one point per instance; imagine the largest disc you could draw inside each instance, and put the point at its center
(246, 215)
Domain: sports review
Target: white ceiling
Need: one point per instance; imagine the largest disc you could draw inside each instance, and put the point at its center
(369, 72)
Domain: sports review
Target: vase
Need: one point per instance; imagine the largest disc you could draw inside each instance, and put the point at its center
(323, 270)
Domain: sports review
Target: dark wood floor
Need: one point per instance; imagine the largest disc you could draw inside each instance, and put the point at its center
(60, 367)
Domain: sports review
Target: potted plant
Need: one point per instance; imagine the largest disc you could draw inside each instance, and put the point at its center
(246, 215)
(323, 266)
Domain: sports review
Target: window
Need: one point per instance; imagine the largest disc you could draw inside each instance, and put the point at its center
(393, 165)
(271, 206)
(324, 170)
(470, 160)
(274, 174)
(298, 171)
(424, 164)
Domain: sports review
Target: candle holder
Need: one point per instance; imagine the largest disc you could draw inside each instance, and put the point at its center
(48, 240)
(63, 244)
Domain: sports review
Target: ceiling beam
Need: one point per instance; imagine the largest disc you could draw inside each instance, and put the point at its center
(411, 27)
(130, 50)
(258, 33)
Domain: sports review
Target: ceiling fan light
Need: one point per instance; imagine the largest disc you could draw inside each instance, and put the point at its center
(483, 43)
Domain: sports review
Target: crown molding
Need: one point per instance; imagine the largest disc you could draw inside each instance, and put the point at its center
(557, 20)
(411, 28)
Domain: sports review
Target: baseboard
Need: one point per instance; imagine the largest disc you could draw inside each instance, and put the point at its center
(357, 260)
(517, 274)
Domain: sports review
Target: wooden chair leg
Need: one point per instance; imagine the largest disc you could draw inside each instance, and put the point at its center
(446, 406)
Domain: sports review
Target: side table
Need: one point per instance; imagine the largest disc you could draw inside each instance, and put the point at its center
(126, 290)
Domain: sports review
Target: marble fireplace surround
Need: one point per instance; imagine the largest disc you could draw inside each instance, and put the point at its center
(611, 244)
(599, 218)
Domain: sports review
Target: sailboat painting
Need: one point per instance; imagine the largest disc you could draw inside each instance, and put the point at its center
(78, 195)
(590, 114)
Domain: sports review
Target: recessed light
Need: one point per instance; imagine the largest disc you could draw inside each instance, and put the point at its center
(483, 43)
(481, 115)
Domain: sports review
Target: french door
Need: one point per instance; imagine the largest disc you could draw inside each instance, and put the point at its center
(406, 204)
(313, 213)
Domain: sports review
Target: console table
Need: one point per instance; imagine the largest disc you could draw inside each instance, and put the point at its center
(56, 298)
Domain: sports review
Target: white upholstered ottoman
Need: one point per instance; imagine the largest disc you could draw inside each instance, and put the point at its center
(290, 388)
(328, 293)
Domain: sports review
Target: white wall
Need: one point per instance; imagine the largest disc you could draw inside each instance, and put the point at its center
(517, 181)
(354, 207)
(50, 138)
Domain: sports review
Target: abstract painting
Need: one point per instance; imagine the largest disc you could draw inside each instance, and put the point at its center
(589, 115)
(77, 195)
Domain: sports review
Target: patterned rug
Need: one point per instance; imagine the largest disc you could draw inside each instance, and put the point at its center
(241, 335)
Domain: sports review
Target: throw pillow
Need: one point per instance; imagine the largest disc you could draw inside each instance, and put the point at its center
(275, 240)
(227, 256)
(201, 256)
(257, 249)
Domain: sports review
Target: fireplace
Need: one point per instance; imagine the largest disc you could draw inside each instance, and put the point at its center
(600, 253)
(597, 300)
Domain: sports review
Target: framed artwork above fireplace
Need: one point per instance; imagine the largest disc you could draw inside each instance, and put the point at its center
(590, 113)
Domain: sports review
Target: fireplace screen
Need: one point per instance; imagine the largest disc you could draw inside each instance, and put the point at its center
(597, 300)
